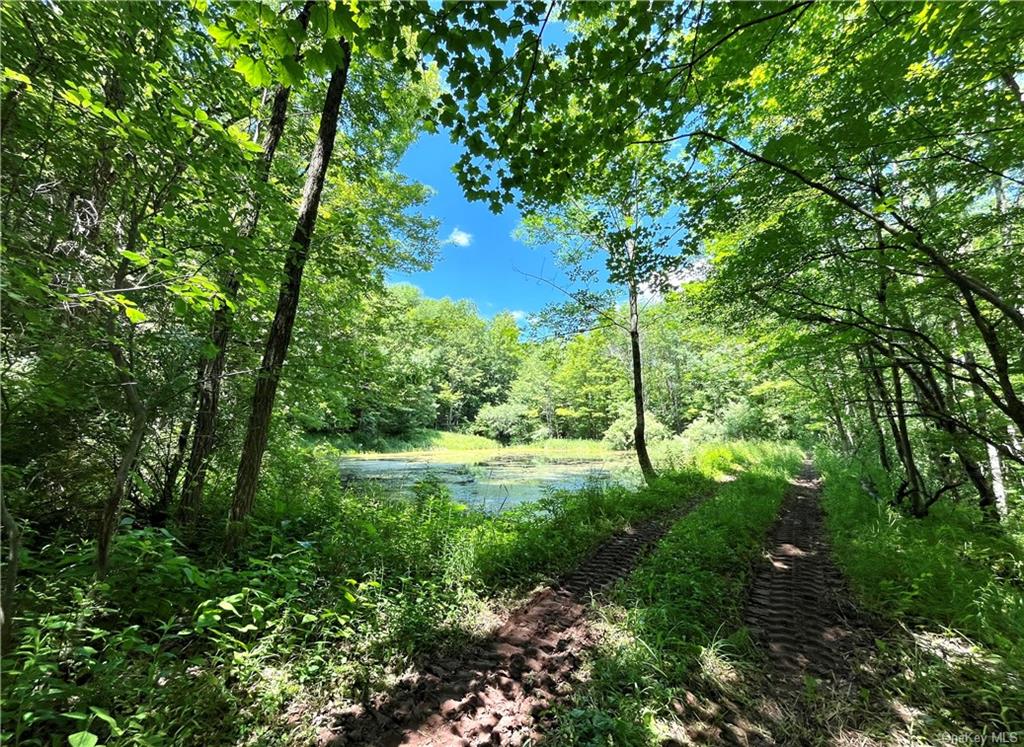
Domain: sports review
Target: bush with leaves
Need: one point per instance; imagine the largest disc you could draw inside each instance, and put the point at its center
(619, 435)
(506, 423)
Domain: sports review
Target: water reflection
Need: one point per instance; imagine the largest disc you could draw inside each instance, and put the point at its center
(492, 484)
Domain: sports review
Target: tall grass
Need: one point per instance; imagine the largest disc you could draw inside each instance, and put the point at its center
(573, 447)
(423, 439)
(956, 583)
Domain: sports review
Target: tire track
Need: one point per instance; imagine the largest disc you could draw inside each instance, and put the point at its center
(497, 692)
(796, 600)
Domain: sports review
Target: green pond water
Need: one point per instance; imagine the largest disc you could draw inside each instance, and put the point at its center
(493, 484)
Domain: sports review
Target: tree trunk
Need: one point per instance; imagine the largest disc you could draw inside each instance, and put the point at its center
(211, 374)
(161, 510)
(837, 416)
(112, 508)
(212, 369)
(994, 459)
(876, 379)
(915, 482)
(280, 334)
(1011, 404)
(934, 405)
(1016, 448)
(105, 177)
(9, 526)
(640, 431)
(988, 501)
(883, 450)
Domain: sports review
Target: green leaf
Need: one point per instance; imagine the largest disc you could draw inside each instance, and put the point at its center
(281, 43)
(319, 18)
(886, 205)
(291, 71)
(111, 721)
(134, 315)
(255, 72)
(316, 61)
(83, 739)
(363, 21)
(20, 77)
(223, 36)
(135, 257)
(333, 53)
(227, 603)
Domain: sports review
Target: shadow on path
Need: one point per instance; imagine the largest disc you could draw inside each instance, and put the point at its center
(818, 647)
(497, 691)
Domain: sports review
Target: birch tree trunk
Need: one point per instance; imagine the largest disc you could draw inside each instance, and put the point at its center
(640, 430)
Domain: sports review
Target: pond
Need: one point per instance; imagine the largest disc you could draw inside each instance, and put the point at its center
(492, 483)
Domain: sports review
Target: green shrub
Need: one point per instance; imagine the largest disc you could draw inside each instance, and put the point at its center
(506, 423)
(703, 430)
(619, 435)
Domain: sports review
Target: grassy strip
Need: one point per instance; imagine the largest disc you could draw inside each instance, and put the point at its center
(466, 447)
(423, 439)
(340, 589)
(676, 621)
(959, 587)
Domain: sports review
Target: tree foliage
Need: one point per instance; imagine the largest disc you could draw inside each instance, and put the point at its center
(809, 213)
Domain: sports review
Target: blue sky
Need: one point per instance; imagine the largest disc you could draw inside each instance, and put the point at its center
(480, 260)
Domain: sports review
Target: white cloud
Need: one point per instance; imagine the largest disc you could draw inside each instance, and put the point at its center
(518, 314)
(459, 237)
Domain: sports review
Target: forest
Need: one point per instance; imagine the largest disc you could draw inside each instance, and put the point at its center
(748, 470)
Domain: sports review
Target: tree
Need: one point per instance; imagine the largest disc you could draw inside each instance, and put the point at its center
(280, 333)
(385, 31)
(211, 366)
(801, 123)
(103, 263)
(618, 213)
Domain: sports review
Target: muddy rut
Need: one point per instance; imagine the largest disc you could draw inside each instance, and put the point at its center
(800, 614)
(497, 692)
(797, 607)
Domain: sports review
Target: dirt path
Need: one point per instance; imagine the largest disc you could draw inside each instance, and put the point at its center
(800, 614)
(826, 674)
(498, 691)
(797, 607)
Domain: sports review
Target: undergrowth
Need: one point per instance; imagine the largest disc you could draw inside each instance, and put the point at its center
(333, 595)
(429, 440)
(954, 586)
(422, 439)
